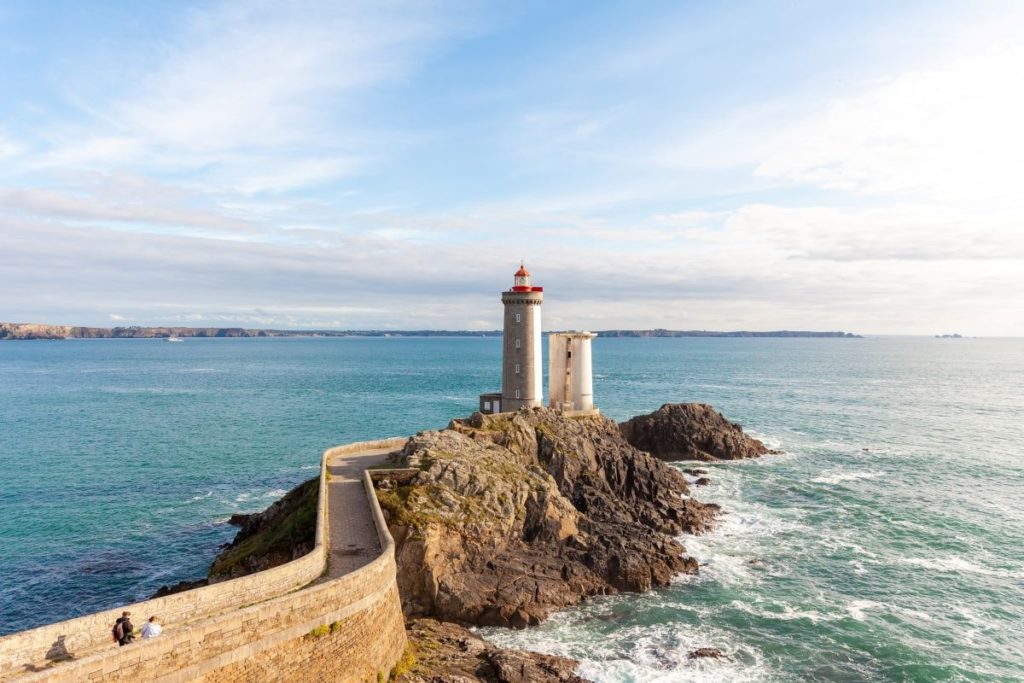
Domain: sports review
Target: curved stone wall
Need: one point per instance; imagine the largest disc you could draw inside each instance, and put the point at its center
(214, 632)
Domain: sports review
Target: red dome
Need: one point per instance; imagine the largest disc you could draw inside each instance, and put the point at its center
(522, 272)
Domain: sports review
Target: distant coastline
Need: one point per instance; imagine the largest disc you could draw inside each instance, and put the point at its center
(27, 331)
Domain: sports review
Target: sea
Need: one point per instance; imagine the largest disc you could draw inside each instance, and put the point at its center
(884, 543)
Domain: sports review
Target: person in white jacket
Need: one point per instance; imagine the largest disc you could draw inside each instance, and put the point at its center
(152, 628)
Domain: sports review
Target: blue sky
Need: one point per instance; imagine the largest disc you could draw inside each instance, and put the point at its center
(812, 165)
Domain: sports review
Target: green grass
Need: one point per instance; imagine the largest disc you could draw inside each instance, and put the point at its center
(320, 631)
(405, 664)
(296, 525)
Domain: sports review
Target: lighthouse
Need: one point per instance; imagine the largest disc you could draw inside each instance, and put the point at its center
(571, 375)
(522, 381)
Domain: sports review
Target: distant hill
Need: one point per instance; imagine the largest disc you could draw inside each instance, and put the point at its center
(36, 331)
(712, 333)
(12, 331)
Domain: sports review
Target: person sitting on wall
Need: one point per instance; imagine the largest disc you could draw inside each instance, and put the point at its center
(124, 631)
(152, 628)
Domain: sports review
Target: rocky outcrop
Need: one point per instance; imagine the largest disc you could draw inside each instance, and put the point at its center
(690, 431)
(513, 516)
(283, 532)
(447, 653)
(179, 587)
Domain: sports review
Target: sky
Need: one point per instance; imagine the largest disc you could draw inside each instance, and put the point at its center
(387, 165)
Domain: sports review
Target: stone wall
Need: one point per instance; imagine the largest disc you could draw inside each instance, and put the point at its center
(218, 633)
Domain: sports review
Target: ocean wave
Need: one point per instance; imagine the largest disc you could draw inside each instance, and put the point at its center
(251, 496)
(959, 565)
(648, 652)
(779, 610)
(840, 477)
(855, 608)
(768, 440)
(732, 554)
(782, 611)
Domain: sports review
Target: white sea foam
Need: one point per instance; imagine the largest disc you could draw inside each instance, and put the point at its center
(202, 495)
(655, 652)
(959, 565)
(783, 611)
(856, 608)
(840, 477)
(768, 440)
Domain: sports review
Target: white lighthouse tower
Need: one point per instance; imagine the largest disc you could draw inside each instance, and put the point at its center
(570, 371)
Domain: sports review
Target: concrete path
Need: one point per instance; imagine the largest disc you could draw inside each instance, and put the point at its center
(353, 537)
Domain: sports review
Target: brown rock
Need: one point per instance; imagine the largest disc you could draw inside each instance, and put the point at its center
(283, 532)
(708, 652)
(179, 587)
(447, 653)
(514, 516)
(703, 481)
(690, 431)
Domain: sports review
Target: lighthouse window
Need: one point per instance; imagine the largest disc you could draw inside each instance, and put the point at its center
(517, 393)
(517, 343)
(517, 368)
(517, 318)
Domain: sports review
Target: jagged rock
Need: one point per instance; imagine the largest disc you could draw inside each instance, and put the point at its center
(703, 481)
(514, 516)
(690, 431)
(283, 532)
(707, 652)
(179, 587)
(447, 653)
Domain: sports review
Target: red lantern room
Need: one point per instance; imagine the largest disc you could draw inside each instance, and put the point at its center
(522, 281)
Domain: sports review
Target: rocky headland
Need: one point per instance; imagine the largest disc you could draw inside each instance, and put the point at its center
(510, 517)
(501, 520)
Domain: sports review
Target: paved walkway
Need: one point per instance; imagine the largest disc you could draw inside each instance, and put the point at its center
(353, 538)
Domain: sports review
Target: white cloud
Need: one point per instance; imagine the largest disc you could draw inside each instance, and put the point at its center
(88, 208)
(8, 148)
(244, 94)
(951, 132)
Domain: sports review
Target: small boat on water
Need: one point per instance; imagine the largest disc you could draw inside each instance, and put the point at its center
(175, 339)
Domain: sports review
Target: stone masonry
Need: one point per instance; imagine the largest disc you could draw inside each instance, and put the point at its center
(348, 628)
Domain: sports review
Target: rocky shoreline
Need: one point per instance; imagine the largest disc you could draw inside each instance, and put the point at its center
(501, 520)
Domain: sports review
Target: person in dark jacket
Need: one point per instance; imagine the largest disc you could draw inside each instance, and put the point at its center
(127, 628)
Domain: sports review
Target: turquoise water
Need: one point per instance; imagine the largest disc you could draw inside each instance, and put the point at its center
(886, 543)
